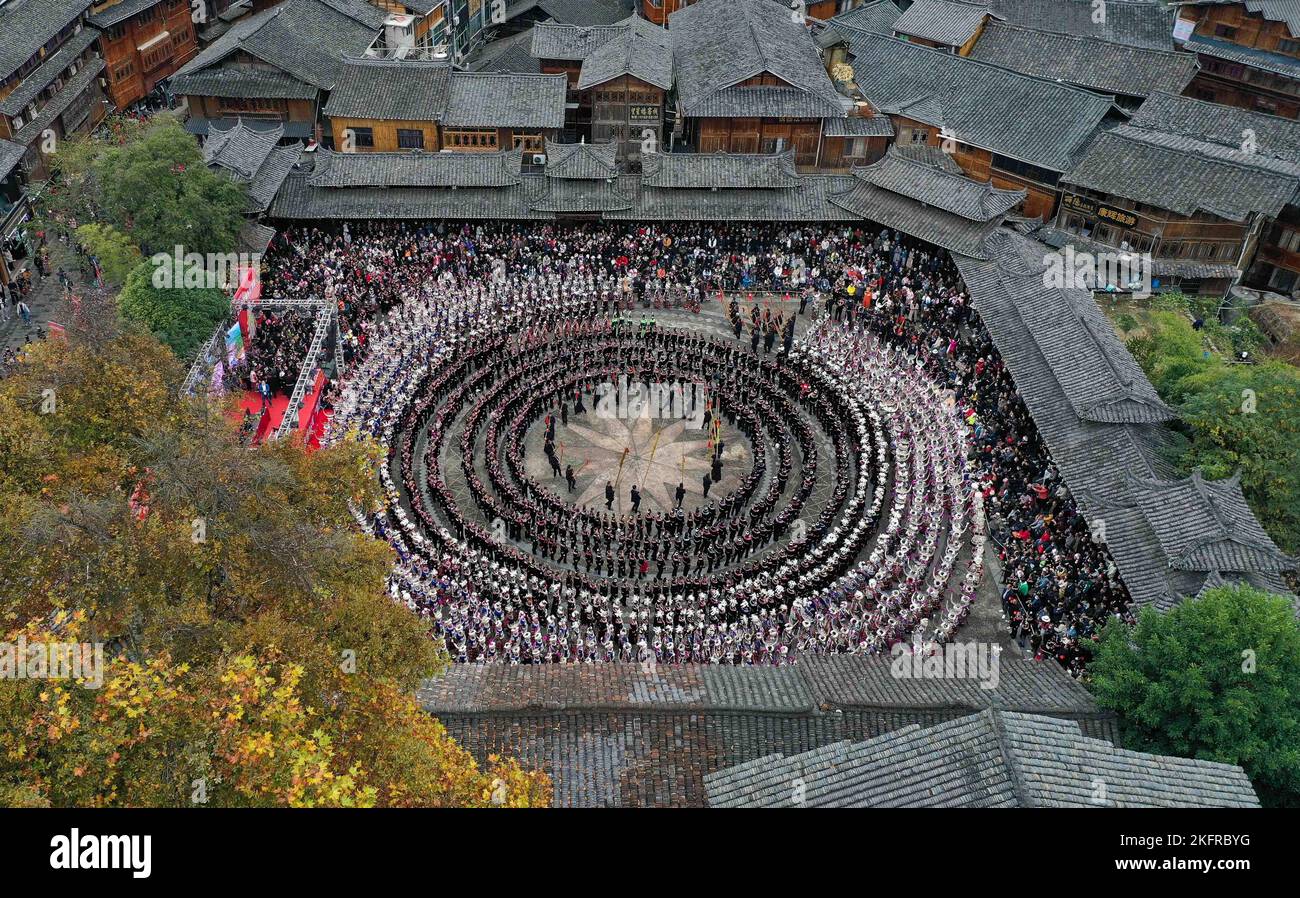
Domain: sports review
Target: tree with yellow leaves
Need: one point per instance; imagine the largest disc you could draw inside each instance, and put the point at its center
(252, 655)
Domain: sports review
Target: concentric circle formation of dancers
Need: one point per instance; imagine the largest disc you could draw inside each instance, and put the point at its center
(820, 438)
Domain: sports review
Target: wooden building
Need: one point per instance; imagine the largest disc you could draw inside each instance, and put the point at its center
(1249, 53)
(750, 80)
(143, 42)
(619, 77)
(1175, 182)
(49, 77)
(659, 11)
(952, 25)
(1123, 71)
(1017, 131)
(276, 67)
(390, 105)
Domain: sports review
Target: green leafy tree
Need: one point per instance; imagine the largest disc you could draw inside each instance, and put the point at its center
(182, 318)
(252, 654)
(1233, 416)
(1216, 678)
(117, 255)
(156, 188)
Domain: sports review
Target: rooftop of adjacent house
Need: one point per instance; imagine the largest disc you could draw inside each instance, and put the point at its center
(28, 25)
(718, 44)
(1029, 119)
(948, 22)
(1088, 62)
(992, 759)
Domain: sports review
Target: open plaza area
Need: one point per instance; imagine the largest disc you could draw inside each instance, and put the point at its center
(650, 403)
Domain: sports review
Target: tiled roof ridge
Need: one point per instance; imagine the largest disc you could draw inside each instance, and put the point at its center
(1194, 146)
(381, 61)
(1017, 26)
(1024, 798)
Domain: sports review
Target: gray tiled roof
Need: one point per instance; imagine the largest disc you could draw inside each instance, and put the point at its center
(574, 196)
(933, 225)
(573, 12)
(991, 759)
(719, 170)
(806, 202)
(1229, 126)
(26, 27)
(254, 237)
(391, 89)
(304, 38)
(1026, 118)
(45, 74)
(760, 100)
(581, 160)
(958, 194)
(298, 199)
(639, 50)
(618, 735)
(241, 150)
(417, 169)
(58, 104)
(252, 157)
(948, 22)
(719, 43)
(1266, 60)
(859, 126)
(10, 155)
(1138, 23)
(934, 157)
(120, 12)
(202, 126)
(490, 100)
(508, 54)
(1084, 61)
(876, 17)
(572, 43)
(1206, 525)
(1071, 389)
(243, 81)
(304, 196)
(1185, 175)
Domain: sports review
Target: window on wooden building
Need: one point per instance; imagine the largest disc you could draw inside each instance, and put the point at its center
(530, 143)
(410, 138)
(472, 140)
(363, 137)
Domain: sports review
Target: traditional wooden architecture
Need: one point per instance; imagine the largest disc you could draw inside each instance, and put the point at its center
(1015, 130)
(434, 107)
(1177, 182)
(993, 759)
(929, 202)
(1249, 52)
(750, 80)
(1123, 71)
(143, 43)
(952, 25)
(1135, 23)
(1274, 263)
(253, 158)
(276, 67)
(619, 77)
(49, 76)
(622, 735)
(521, 15)
(582, 181)
(385, 105)
(659, 11)
(834, 36)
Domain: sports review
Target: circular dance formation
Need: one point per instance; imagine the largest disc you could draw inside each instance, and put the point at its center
(568, 485)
